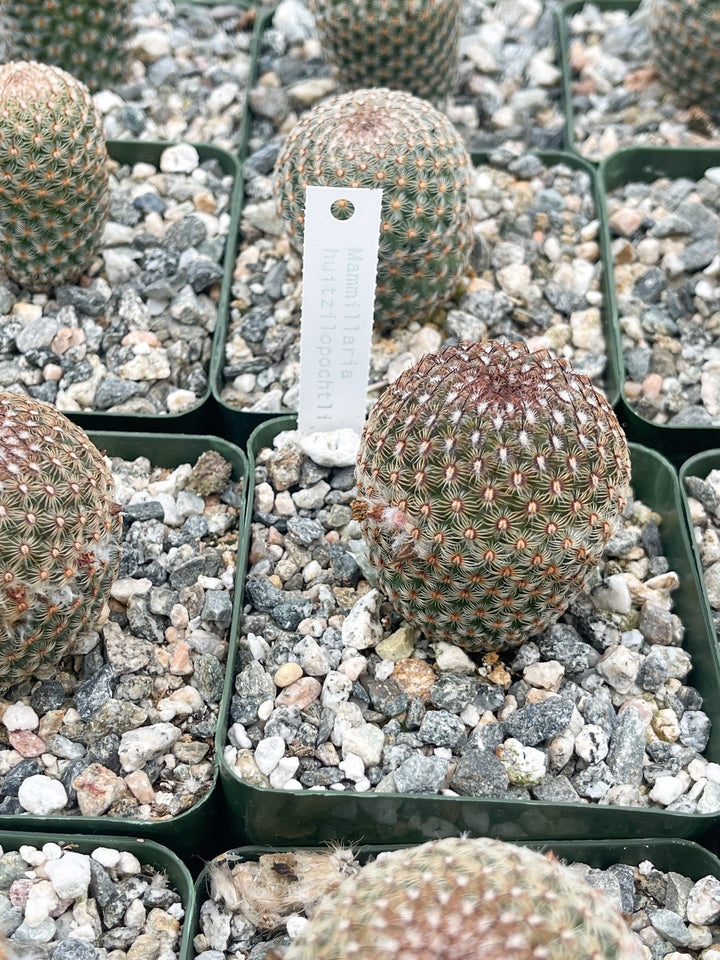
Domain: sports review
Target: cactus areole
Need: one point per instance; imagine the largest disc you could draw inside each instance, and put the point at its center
(476, 899)
(489, 479)
(59, 535)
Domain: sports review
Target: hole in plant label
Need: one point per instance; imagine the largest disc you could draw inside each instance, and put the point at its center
(342, 209)
(342, 234)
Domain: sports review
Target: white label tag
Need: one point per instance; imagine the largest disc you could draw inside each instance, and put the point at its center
(339, 271)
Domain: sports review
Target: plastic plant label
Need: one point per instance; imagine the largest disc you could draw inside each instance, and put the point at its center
(342, 234)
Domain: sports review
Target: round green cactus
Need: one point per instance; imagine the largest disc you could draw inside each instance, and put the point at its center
(393, 140)
(88, 38)
(685, 46)
(404, 44)
(59, 535)
(54, 198)
(489, 479)
(480, 899)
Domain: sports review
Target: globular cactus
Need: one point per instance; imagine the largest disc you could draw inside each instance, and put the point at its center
(393, 140)
(480, 899)
(59, 535)
(685, 46)
(54, 198)
(489, 479)
(88, 38)
(404, 44)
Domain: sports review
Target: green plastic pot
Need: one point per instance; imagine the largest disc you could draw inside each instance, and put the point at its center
(193, 832)
(679, 856)
(148, 852)
(194, 418)
(644, 164)
(698, 466)
(266, 816)
(239, 424)
(564, 13)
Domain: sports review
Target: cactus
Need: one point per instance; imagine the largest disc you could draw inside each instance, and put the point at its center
(481, 899)
(404, 44)
(389, 139)
(88, 38)
(685, 47)
(54, 199)
(489, 479)
(59, 535)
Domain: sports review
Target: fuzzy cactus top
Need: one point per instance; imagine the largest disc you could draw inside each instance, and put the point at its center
(479, 899)
(489, 479)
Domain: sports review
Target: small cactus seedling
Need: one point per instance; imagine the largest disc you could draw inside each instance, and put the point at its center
(404, 44)
(489, 479)
(59, 535)
(393, 140)
(88, 38)
(54, 198)
(480, 899)
(685, 47)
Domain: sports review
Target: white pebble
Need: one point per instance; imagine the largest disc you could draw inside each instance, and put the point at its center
(268, 754)
(20, 716)
(42, 795)
(41, 901)
(180, 158)
(70, 875)
(146, 743)
(107, 857)
(361, 628)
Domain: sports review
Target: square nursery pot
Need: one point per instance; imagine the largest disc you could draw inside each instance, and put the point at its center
(659, 117)
(261, 814)
(688, 862)
(696, 425)
(564, 13)
(191, 417)
(239, 423)
(154, 859)
(190, 830)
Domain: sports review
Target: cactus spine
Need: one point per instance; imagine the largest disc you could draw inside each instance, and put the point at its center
(389, 139)
(54, 196)
(88, 38)
(480, 899)
(489, 479)
(404, 44)
(59, 535)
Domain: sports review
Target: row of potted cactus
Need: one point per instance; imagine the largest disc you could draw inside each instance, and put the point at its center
(488, 480)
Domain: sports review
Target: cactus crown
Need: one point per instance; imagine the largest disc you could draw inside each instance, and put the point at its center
(53, 175)
(88, 38)
(404, 44)
(59, 535)
(481, 899)
(389, 139)
(489, 479)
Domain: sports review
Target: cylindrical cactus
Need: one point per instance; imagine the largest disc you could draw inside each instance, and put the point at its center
(685, 46)
(480, 899)
(54, 198)
(59, 535)
(489, 479)
(393, 140)
(404, 44)
(88, 38)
